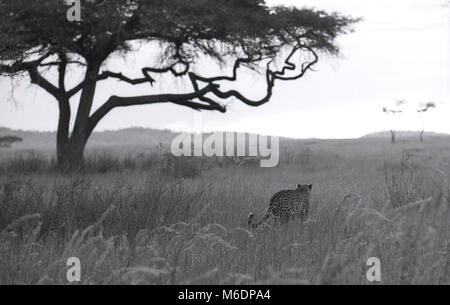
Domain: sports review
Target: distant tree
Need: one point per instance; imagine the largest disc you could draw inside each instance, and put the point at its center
(36, 35)
(393, 112)
(424, 108)
(6, 141)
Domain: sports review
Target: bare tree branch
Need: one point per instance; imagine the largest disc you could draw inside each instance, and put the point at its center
(271, 76)
(179, 99)
(36, 78)
(136, 81)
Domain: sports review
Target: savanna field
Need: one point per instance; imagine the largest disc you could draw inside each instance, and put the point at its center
(137, 215)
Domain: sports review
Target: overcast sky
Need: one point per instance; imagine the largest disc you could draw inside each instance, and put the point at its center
(400, 51)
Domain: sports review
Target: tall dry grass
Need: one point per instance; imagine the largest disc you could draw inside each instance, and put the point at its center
(162, 220)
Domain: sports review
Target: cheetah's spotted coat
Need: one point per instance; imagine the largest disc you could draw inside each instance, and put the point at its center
(287, 205)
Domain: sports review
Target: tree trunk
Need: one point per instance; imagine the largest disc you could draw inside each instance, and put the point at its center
(69, 156)
(62, 134)
(393, 136)
(421, 136)
(70, 150)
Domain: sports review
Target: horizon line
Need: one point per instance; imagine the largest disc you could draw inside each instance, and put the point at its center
(227, 131)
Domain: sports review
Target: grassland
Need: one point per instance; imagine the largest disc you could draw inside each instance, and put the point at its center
(136, 215)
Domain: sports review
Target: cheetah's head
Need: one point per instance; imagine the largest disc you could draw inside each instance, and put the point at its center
(306, 187)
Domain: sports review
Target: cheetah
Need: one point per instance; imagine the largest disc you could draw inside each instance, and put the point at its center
(287, 205)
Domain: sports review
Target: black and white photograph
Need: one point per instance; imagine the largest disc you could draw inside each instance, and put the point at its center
(239, 145)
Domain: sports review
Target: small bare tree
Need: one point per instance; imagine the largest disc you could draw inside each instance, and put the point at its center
(393, 112)
(424, 108)
(8, 140)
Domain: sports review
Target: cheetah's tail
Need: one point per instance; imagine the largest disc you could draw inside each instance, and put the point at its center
(255, 225)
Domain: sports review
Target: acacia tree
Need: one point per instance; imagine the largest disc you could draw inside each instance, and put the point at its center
(37, 38)
(394, 112)
(424, 108)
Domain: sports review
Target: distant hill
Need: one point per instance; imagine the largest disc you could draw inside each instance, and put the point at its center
(129, 140)
(404, 134)
(103, 139)
(142, 140)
